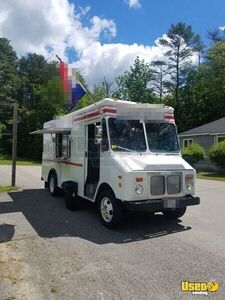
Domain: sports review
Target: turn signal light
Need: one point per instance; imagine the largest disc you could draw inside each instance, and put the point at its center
(139, 179)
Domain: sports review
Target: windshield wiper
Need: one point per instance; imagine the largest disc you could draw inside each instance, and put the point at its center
(122, 148)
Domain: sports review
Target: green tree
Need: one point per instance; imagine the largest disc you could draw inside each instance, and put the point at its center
(180, 45)
(8, 71)
(217, 35)
(132, 85)
(41, 97)
(203, 96)
(217, 154)
(160, 70)
(9, 81)
(32, 75)
(103, 90)
(215, 82)
(2, 127)
(33, 112)
(193, 153)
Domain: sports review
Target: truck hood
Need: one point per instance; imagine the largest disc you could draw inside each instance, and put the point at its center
(155, 162)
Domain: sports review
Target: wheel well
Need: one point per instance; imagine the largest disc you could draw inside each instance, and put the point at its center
(52, 171)
(104, 186)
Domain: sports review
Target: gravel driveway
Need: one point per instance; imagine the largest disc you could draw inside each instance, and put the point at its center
(48, 252)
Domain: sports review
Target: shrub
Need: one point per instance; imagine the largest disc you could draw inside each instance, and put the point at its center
(2, 156)
(217, 154)
(193, 153)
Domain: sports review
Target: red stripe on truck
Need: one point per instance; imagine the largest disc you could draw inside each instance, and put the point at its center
(72, 163)
(94, 114)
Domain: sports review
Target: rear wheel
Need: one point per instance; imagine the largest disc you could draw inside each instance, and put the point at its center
(53, 185)
(173, 214)
(110, 210)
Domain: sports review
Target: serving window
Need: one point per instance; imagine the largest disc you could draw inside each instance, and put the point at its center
(63, 145)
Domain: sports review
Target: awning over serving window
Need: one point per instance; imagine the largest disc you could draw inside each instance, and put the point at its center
(51, 130)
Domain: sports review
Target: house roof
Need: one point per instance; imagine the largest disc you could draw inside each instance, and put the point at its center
(215, 127)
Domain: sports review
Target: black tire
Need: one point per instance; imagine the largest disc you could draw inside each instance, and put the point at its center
(72, 201)
(174, 214)
(115, 210)
(53, 188)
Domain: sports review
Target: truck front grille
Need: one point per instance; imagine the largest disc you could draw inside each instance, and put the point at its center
(170, 184)
(157, 185)
(173, 184)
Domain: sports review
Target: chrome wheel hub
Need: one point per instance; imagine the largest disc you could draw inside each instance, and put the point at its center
(106, 209)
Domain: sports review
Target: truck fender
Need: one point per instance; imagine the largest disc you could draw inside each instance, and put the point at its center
(102, 187)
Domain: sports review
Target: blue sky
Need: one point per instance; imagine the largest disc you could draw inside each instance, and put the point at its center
(102, 38)
(145, 24)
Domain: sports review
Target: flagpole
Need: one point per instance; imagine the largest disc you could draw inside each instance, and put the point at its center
(89, 95)
(60, 60)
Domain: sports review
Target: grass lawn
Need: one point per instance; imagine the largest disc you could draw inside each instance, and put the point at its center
(6, 188)
(211, 176)
(20, 162)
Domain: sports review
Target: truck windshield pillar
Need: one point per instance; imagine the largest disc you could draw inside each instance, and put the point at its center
(105, 140)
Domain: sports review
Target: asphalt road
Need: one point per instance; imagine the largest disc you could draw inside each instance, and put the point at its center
(48, 252)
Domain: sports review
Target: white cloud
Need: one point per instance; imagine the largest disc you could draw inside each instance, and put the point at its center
(222, 28)
(53, 26)
(111, 60)
(34, 25)
(134, 3)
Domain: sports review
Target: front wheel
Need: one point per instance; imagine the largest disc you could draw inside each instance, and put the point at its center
(173, 214)
(110, 210)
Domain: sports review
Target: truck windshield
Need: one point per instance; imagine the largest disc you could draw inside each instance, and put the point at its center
(162, 137)
(126, 135)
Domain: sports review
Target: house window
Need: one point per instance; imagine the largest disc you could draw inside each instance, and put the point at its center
(187, 142)
(63, 145)
(220, 138)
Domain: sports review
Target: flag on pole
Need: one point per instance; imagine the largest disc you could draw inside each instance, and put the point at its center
(77, 90)
(63, 74)
(72, 88)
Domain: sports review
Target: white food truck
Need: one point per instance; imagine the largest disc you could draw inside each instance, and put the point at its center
(123, 156)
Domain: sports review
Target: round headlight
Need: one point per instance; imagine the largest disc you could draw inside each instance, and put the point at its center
(189, 180)
(189, 186)
(139, 189)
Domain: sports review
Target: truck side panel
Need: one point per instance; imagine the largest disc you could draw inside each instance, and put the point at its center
(48, 155)
(74, 168)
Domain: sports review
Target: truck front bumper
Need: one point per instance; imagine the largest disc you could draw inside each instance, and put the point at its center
(161, 204)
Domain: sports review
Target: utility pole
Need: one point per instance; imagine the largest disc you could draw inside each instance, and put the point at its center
(14, 144)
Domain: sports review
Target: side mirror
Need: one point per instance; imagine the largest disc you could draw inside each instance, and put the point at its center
(98, 131)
